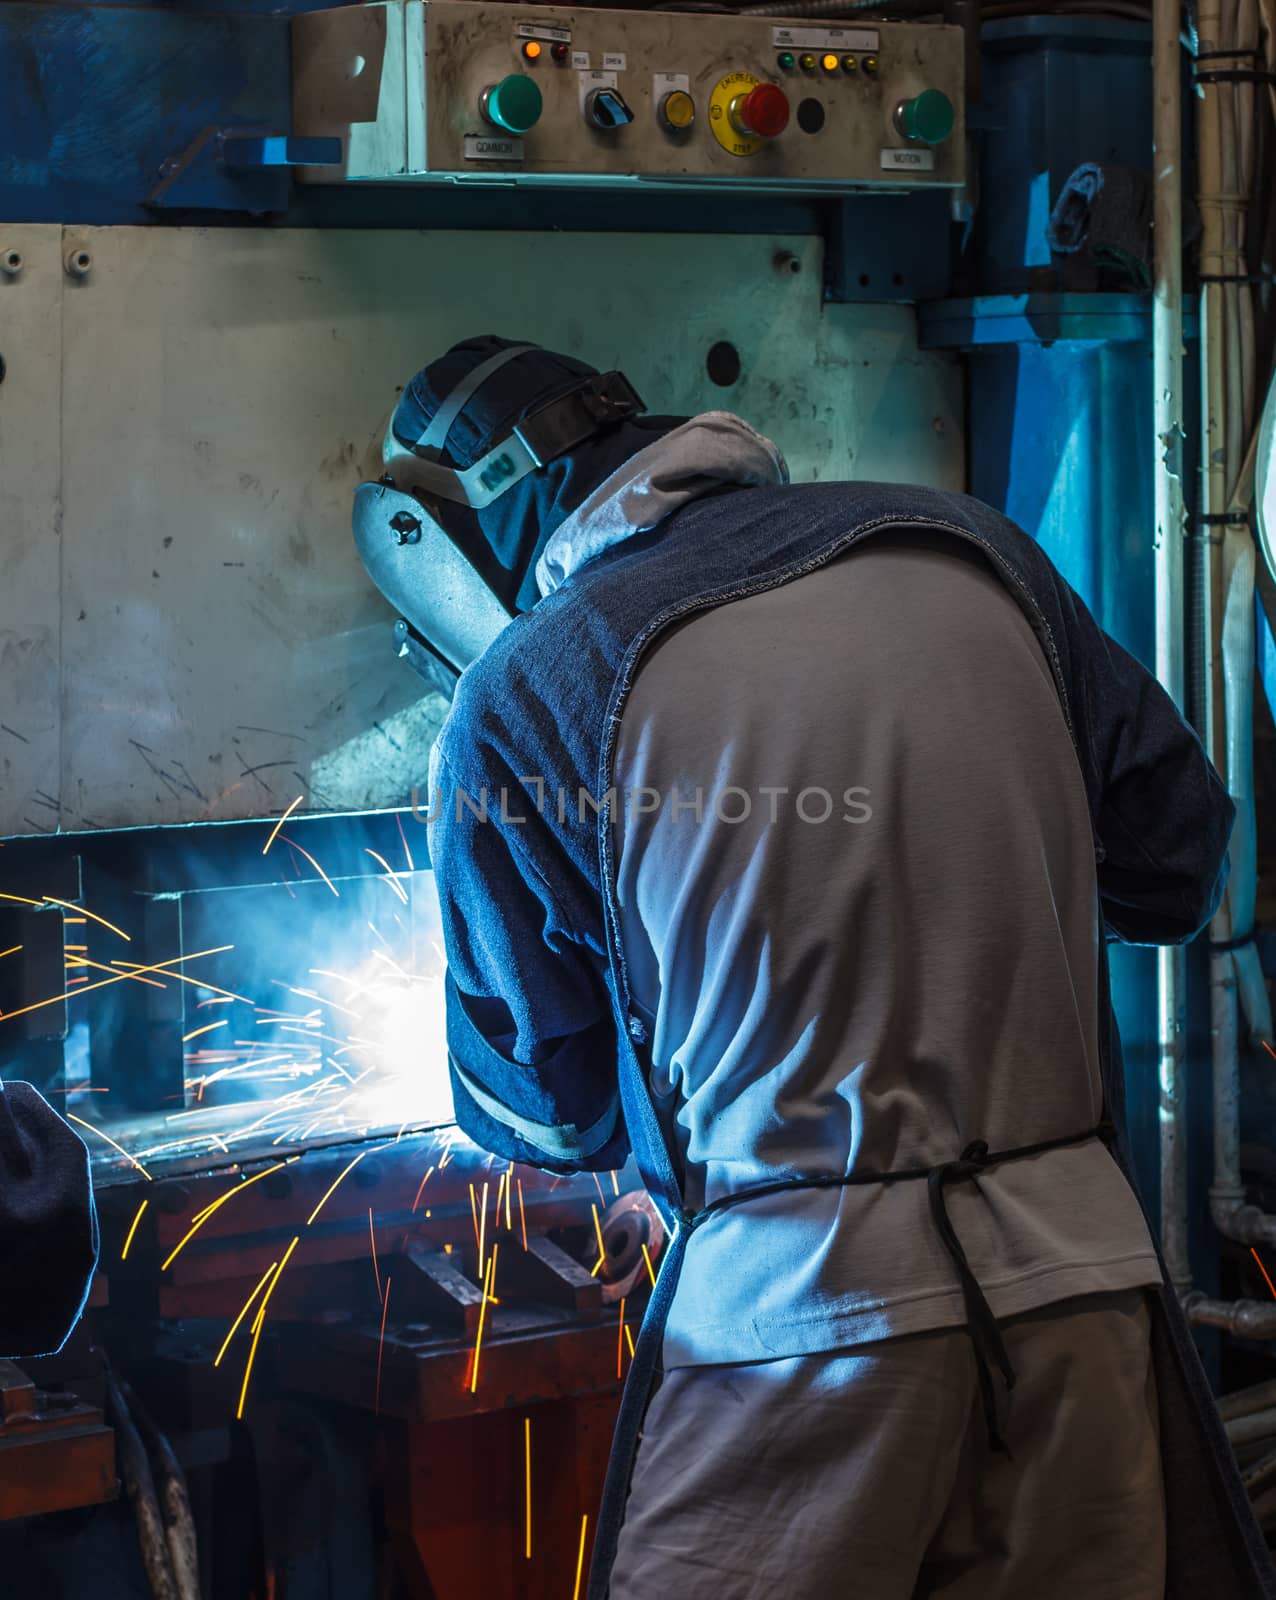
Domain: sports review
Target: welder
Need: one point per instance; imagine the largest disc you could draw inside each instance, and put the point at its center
(48, 1225)
(779, 831)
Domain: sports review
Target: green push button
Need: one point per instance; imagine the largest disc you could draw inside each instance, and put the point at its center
(514, 104)
(928, 118)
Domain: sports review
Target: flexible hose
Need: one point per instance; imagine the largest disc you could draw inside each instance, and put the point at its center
(136, 1472)
(174, 1502)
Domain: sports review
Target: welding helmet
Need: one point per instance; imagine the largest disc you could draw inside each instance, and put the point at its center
(488, 451)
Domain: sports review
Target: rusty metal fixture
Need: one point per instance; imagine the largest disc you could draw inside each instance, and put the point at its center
(55, 1451)
(629, 1224)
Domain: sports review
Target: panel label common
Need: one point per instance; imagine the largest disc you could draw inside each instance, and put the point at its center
(492, 147)
(897, 160)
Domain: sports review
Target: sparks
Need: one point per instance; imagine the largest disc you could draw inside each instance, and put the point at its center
(478, 1341)
(275, 830)
(614, 1184)
(261, 1309)
(482, 1229)
(51, 900)
(527, 1451)
(580, 1559)
(372, 1235)
(328, 1196)
(620, 1341)
(424, 1181)
(259, 1322)
(598, 1229)
(248, 1371)
(75, 964)
(509, 1173)
(207, 1028)
(71, 1117)
(390, 877)
(120, 977)
(217, 1359)
(1262, 1269)
(293, 843)
(404, 837)
(629, 1339)
(198, 1221)
(521, 1216)
(11, 951)
(385, 1307)
(129, 1240)
(646, 1255)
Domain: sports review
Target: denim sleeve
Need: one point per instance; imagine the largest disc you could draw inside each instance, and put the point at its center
(532, 1045)
(1163, 815)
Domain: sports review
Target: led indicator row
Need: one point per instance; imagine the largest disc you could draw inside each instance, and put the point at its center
(828, 62)
(533, 50)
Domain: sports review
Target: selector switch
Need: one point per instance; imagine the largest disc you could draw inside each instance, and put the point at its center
(606, 109)
(514, 104)
(677, 111)
(927, 118)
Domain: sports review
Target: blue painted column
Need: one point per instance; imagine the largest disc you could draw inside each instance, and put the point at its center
(1059, 427)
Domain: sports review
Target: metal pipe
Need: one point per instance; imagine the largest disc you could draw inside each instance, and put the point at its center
(1242, 1401)
(1229, 660)
(1260, 1474)
(1259, 1425)
(1167, 379)
(1250, 1319)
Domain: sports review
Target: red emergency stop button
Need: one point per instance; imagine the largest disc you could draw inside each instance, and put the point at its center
(763, 112)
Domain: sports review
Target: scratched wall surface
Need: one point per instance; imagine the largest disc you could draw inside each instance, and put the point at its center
(221, 649)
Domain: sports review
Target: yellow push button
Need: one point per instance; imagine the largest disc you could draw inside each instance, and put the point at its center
(677, 111)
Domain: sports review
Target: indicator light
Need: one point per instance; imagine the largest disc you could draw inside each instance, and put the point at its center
(559, 52)
(763, 112)
(849, 63)
(786, 59)
(830, 63)
(807, 62)
(677, 111)
(532, 50)
(870, 63)
(514, 104)
(927, 119)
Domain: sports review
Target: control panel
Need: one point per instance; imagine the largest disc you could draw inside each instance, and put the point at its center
(448, 90)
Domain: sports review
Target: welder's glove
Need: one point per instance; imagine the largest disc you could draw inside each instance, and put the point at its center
(48, 1225)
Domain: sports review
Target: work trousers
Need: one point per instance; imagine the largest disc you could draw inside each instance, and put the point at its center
(866, 1473)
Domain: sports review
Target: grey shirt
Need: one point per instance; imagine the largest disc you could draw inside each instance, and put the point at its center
(857, 891)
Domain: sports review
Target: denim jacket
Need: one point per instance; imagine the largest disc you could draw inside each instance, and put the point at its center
(545, 1046)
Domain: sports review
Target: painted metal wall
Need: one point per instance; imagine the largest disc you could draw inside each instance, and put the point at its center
(185, 630)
